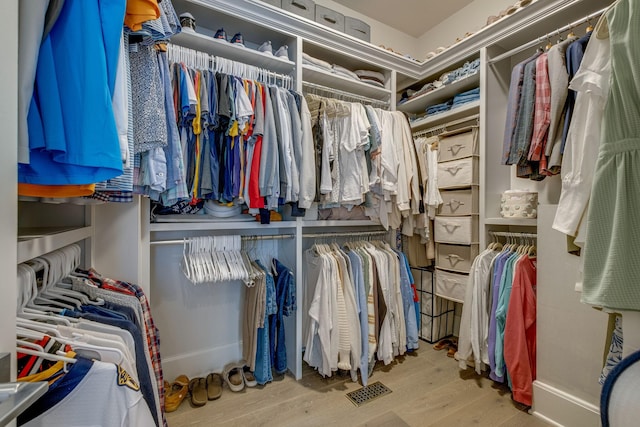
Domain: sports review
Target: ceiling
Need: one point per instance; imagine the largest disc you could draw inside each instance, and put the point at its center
(413, 17)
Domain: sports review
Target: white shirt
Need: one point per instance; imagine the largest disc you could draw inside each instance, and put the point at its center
(475, 313)
(308, 166)
(591, 83)
(98, 400)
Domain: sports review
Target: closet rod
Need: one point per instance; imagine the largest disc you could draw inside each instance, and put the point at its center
(557, 32)
(353, 96)
(197, 59)
(244, 238)
(512, 234)
(443, 128)
(344, 234)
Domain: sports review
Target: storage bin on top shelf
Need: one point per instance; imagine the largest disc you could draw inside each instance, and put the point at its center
(329, 18)
(304, 8)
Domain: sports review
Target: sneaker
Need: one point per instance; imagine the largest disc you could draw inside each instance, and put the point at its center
(220, 34)
(237, 39)
(283, 52)
(266, 48)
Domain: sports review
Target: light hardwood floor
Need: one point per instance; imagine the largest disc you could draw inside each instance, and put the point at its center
(427, 390)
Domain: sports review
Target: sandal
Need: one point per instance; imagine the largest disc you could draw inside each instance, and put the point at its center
(442, 344)
(214, 386)
(233, 377)
(176, 392)
(249, 378)
(197, 387)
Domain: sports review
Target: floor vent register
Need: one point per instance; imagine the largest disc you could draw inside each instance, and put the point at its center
(367, 394)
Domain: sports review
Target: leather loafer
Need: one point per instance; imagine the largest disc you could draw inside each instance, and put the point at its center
(175, 393)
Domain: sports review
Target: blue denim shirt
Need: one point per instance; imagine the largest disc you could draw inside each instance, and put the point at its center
(407, 302)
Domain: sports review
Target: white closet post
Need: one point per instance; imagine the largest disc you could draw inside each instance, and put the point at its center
(120, 247)
(391, 85)
(297, 58)
(8, 175)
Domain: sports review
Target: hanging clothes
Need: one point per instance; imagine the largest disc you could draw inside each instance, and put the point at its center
(365, 291)
(57, 128)
(611, 242)
(108, 332)
(498, 325)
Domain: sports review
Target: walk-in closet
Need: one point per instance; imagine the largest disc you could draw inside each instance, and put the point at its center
(320, 212)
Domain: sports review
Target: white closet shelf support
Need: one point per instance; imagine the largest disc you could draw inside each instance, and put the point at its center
(453, 114)
(206, 44)
(34, 242)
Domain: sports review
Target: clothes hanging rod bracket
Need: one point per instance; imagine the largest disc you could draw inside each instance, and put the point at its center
(331, 91)
(547, 36)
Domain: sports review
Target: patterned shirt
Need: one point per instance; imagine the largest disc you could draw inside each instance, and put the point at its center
(542, 114)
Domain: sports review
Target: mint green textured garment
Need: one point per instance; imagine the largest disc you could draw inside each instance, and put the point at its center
(612, 250)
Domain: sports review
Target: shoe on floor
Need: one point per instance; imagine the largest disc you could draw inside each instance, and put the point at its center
(248, 377)
(175, 393)
(214, 386)
(233, 377)
(442, 344)
(198, 389)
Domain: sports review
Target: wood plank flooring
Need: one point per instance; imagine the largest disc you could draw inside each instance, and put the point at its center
(427, 387)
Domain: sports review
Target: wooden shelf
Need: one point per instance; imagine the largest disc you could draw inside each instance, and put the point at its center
(464, 110)
(326, 78)
(525, 222)
(436, 96)
(35, 242)
(212, 46)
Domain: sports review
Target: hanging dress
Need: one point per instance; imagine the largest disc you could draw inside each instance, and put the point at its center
(612, 271)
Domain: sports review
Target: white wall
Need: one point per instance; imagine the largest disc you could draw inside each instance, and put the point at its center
(8, 171)
(571, 335)
(381, 34)
(471, 18)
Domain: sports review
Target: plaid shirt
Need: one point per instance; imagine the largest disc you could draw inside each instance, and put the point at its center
(542, 116)
(152, 333)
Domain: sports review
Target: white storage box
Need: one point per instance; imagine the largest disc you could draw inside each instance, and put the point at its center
(329, 18)
(455, 257)
(452, 286)
(519, 204)
(357, 28)
(304, 8)
(458, 145)
(458, 173)
(459, 202)
(461, 230)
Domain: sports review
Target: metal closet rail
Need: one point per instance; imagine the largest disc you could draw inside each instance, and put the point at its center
(363, 234)
(539, 40)
(342, 95)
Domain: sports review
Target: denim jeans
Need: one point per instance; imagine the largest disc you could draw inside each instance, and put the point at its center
(285, 297)
(263, 354)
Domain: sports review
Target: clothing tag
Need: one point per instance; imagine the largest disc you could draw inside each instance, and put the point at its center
(124, 379)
